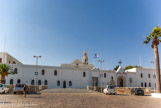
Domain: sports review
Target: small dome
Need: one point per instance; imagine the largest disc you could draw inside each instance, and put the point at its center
(76, 61)
(85, 52)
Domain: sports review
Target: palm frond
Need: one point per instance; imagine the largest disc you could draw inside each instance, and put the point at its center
(147, 40)
(159, 40)
(156, 32)
(154, 35)
(5, 70)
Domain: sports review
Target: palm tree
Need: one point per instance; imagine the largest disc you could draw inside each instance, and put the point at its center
(4, 71)
(155, 37)
(115, 69)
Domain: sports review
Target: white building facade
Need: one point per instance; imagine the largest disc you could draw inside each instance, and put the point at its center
(78, 74)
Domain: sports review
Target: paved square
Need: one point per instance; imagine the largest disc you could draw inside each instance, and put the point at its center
(78, 100)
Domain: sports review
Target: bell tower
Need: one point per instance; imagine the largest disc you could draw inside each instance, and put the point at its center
(85, 58)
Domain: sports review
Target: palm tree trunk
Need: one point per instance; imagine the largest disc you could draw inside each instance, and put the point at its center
(2, 79)
(157, 68)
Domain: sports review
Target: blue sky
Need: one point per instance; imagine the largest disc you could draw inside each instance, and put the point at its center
(60, 30)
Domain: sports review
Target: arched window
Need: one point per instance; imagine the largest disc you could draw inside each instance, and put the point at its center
(14, 62)
(84, 74)
(145, 84)
(58, 83)
(42, 72)
(141, 84)
(148, 75)
(11, 81)
(32, 82)
(111, 77)
(55, 73)
(18, 81)
(141, 75)
(46, 82)
(15, 70)
(130, 80)
(39, 82)
(104, 75)
(149, 84)
(70, 83)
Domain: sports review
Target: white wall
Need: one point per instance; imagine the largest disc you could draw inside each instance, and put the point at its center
(26, 73)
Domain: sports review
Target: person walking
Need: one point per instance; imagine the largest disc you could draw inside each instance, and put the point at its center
(25, 90)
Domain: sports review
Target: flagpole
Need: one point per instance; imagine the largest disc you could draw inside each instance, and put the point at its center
(4, 58)
(94, 63)
(95, 57)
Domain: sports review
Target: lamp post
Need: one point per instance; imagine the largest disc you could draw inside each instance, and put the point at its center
(153, 74)
(100, 73)
(36, 73)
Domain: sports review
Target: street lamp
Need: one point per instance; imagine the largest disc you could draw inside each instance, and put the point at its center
(100, 73)
(36, 73)
(153, 74)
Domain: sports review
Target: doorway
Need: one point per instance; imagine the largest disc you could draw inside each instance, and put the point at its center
(121, 81)
(94, 81)
(64, 84)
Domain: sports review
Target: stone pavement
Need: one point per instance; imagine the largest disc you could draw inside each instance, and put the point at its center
(77, 99)
(67, 90)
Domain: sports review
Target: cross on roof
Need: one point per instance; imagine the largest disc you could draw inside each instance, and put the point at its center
(120, 62)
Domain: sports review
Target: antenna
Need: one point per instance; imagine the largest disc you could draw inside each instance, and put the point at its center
(5, 42)
(140, 60)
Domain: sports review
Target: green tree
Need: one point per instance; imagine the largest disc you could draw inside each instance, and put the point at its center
(116, 68)
(4, 71)
(155, 37)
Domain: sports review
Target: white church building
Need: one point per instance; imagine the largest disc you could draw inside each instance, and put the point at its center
(78, 74)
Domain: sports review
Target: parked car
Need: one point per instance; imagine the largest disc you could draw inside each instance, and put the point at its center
(109, 90)
(18, 88)
(137, 91)
(4, 88)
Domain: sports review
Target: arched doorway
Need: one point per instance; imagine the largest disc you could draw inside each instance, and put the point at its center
(121, 82)
(64, 84)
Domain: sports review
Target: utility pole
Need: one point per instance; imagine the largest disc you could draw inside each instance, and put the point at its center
(36, 73)
(101, 61)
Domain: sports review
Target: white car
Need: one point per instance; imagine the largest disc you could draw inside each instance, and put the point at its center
(109, 90)
(4, 88)
(18, 88)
